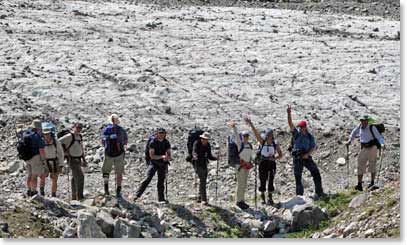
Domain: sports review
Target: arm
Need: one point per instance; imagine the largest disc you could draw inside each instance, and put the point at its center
(255, 131)
(289, 119)
(210, 156)
(378, 136)
(60, 153)
(353, 135)
(280, 153)
(237, 139)
(125, 140)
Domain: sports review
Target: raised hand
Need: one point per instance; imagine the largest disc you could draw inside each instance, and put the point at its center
(288, 109)
(231, 124)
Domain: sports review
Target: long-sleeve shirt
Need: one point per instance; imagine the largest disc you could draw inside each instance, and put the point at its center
(366, 135)
(203, 152)
(247, 153)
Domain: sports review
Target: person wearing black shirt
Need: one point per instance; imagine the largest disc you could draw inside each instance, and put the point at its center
(201, 153)
(160, 154)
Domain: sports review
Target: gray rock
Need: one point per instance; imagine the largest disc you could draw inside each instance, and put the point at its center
(126, 229)
(349, 229)
(306, 215)
(132, 148)
(293, 202)
(341, 161)
(53, 206)
(357, 200)
(88, 228)
(106, 222)
(254, 233)
(369, 232)
(69, 232)
(13, 166)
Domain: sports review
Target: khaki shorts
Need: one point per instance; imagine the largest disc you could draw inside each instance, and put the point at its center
(367, 155)
(118, 163)
(35, 166)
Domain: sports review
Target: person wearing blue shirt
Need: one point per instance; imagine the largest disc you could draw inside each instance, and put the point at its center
(303, 146)
(370, 139)
(114, 139)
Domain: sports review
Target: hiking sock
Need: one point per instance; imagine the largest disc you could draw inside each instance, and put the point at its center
(54, 194)
(359, 187)
(42, 191)
(118, 190)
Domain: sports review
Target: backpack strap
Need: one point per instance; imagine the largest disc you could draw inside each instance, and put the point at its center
(371, 131)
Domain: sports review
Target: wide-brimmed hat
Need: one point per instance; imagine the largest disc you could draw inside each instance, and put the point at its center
(36, 124)
(206, 136)
(364, 118)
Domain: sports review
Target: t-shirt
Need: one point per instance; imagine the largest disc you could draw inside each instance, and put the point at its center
(267, 150)
(37, 142)
(51, 152)
(303, 142)
(160, 147)
(76, 149)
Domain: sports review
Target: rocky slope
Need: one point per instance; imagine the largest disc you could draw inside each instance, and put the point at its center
(178, 66)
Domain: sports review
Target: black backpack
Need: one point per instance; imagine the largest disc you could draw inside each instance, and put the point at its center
(147, 149)
(65, 132)
(24, 146)
(381, 129)
(233, 151)
(193, 135)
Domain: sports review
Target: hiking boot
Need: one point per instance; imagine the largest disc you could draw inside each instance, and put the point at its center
(359, 187)
(320, 196)
(242, 205)
(54, 194)
(205, 203)
(118, 191)
(162, 201)
(33, 193)
(263, 198)
(270, 200)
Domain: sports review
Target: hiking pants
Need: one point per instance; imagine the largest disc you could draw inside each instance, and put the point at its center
(241, 177)
(299, 165)
(201, 169)
(161, 170)
(367, 154)
(78, 179)
(267, 171)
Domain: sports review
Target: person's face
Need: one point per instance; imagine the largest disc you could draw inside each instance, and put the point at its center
(245, 138)
(204, 141)
(269, 137)
(115, 120)
(160, 135)
(364, 123)
(303, 129)
(77, 129)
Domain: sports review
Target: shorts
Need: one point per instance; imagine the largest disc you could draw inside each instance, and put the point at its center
(367, 155)
(53, 166)
(118, 163)
(35, 166)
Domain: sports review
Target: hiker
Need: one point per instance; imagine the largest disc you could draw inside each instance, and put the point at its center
(36, 165)
(54, 158)
(370, 141)
(303, 146)
(74, 151)
(201, 154)
(267, 157)
(245, 157)
(114, 139)
(160, 155)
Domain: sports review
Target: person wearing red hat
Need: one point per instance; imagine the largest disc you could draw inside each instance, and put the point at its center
(303, 146)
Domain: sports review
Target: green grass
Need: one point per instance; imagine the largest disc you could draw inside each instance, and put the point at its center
(306, 233)
(336, 203)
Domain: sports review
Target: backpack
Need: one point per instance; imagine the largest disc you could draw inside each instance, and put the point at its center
(233, 151)
(260, 148)
(193, 135)
(380, 128)
(65, 132)
(113, 147)
(147, 149)
(291, 146)
(24, 145)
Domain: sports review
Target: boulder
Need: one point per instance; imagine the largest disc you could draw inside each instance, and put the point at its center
(298, 200)
(125, 229)
(341, 161)
(106, 223)
(53, 206)
(357, 200)
(69, 232)
(88, 228)
(306, 215)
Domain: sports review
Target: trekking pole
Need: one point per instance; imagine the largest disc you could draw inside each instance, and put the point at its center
(166, 184)
(380, 166)
(255, 186)
(216, 180)
(347, 162)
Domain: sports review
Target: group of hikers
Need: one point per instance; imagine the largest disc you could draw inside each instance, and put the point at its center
(46, 152)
